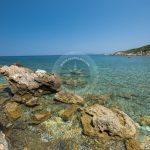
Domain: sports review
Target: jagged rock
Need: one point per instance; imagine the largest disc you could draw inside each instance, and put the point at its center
(23, 80)
(67, 97)
(13, 110)
(132, 144)
(89, 130)
(98, 119)
(3, 142)
(69, 112)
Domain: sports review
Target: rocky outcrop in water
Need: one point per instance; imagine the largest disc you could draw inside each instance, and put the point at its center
(23, 80)
(68, 97)
(97, 119)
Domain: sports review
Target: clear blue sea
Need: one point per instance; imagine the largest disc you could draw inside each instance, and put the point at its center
(127, 80)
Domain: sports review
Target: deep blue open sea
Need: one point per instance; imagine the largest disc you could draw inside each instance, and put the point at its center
(126, 79)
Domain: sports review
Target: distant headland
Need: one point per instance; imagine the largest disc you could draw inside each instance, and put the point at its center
(141, 51)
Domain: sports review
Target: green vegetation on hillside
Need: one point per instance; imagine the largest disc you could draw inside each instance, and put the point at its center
(141, 51)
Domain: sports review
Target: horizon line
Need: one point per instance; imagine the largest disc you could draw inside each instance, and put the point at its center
(51, 55)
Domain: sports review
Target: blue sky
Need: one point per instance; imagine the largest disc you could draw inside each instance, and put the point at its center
(35, 27)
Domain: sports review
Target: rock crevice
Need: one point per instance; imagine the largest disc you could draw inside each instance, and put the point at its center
(100, 119)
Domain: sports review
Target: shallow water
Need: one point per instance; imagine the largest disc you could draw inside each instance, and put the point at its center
(127, 80)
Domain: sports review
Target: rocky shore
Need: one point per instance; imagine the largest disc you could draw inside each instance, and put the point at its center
(37, 115)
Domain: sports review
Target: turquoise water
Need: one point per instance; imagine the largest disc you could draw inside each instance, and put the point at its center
(127, 80)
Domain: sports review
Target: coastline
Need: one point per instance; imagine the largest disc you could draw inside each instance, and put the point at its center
(130, 54)
(141, 51)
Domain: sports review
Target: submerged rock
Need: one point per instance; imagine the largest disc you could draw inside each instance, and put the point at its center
(39, 117)
(17, 98)
(74, 83)
(32, 102)
(67, 97)
(29, 100)
(26, 99)
(69, 112)
(97, 119)
(93, 98)
(57, 129)
(145, 120)
(23, 80)
(104, 97)
(13, 110)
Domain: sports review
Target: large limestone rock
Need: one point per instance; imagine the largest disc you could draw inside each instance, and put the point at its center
(97, 119)
(23, 80)
(69, 98)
